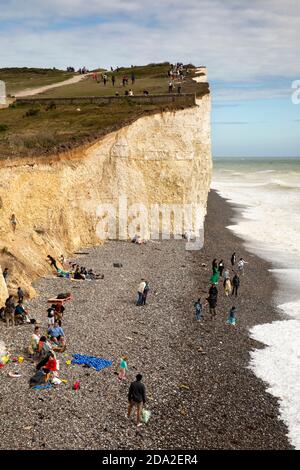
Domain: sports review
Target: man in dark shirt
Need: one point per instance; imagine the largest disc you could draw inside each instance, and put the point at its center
(137, 397)
(235, 284)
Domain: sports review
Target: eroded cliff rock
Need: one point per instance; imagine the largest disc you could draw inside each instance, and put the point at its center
(160, 159)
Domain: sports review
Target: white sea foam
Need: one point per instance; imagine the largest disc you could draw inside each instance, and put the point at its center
(269, 223)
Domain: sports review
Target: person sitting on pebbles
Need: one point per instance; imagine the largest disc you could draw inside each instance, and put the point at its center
(21, 314)
(60, 345)
(55, 331)
(44, 347)
(34, 342)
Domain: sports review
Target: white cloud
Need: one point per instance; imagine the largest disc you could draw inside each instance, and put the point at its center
(236, 40)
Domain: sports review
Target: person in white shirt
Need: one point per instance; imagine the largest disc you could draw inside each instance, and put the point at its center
(140, 292)
(241, 265)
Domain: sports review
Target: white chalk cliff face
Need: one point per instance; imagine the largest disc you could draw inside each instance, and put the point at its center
(58, 201)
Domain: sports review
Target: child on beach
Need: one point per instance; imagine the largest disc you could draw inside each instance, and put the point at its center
(231, 320)
(123, 367)
(198, 309)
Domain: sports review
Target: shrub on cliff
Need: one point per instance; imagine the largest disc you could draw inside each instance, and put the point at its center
(3, 127)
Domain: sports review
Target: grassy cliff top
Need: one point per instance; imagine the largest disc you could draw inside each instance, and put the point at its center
(41, 129)
(18, 79)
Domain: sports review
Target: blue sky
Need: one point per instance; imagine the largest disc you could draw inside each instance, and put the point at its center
(249, 48)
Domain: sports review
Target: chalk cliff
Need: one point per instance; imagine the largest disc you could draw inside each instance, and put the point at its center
(58, 201)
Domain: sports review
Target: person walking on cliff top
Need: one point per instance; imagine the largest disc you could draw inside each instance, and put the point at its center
(235, 284)
(113, 80)
(136, 397)
(233, 259)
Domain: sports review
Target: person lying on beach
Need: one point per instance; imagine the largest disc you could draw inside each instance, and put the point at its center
(78, 274)
(138, 240)
(93, 276)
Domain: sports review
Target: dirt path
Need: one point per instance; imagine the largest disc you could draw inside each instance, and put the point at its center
(36, 91)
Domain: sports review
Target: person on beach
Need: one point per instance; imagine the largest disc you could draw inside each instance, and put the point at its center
(34, 341)
(226, 275)
(227, 287)
(233, 259)
(52, 262)
(20, 294)
(44, 347)
(213, 291)
(212, 302)
(145, 293)
(123, 368)
(235, 284)
(231, 320)
(60, 345)
(55, 331)
(21, 314)
(198, 309)
(50, 316)
(221, 267)
(140, 292)
(13, 221)
(136, 397)
(9, 311)
(5, 275)
(241, 265)
(216, 274)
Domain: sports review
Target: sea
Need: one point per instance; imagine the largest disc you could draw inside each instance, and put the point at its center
(266, 193)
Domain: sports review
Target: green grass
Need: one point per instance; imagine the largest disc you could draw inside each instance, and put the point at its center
(34, 130)
(30, 133)
(18, 79)
(153, 78)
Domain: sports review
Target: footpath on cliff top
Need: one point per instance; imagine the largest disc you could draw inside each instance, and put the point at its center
(200, 389)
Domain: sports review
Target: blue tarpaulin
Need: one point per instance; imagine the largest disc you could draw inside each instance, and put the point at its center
(96, 362)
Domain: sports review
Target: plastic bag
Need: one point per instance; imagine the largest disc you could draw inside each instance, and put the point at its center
(146, 414)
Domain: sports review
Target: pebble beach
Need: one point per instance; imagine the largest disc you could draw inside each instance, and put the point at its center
(200, 389)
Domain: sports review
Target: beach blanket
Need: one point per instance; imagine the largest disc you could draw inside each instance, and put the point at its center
(91, 361)
(42, 387)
